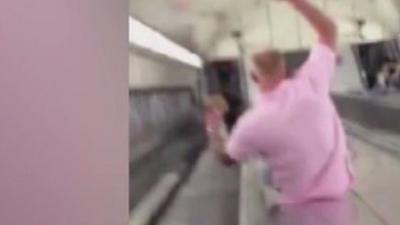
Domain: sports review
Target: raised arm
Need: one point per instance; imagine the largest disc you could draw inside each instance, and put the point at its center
(323, 25)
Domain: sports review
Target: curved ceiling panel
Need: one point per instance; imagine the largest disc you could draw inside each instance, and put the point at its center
(206, 25)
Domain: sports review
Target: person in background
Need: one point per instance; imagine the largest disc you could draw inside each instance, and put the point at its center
(294, 127)
(372, 58)
(235, 109)
(383, 78)
(388, 76)
(216, 108)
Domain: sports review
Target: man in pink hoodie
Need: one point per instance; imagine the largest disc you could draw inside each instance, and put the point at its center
(294, 127)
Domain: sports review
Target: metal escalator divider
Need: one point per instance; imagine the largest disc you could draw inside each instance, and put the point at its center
(370, 206)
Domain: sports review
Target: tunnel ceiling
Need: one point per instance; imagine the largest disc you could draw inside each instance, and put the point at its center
(205, 26)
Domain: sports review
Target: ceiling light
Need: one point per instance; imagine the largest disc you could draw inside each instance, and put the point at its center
(372, 31)
(148, 38)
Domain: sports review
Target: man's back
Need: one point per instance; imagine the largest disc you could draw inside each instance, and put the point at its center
(297, 130)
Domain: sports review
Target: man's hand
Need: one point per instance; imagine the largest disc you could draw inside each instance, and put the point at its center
(217, 135)
(214, 125)
(324, 26)
(214, 119)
